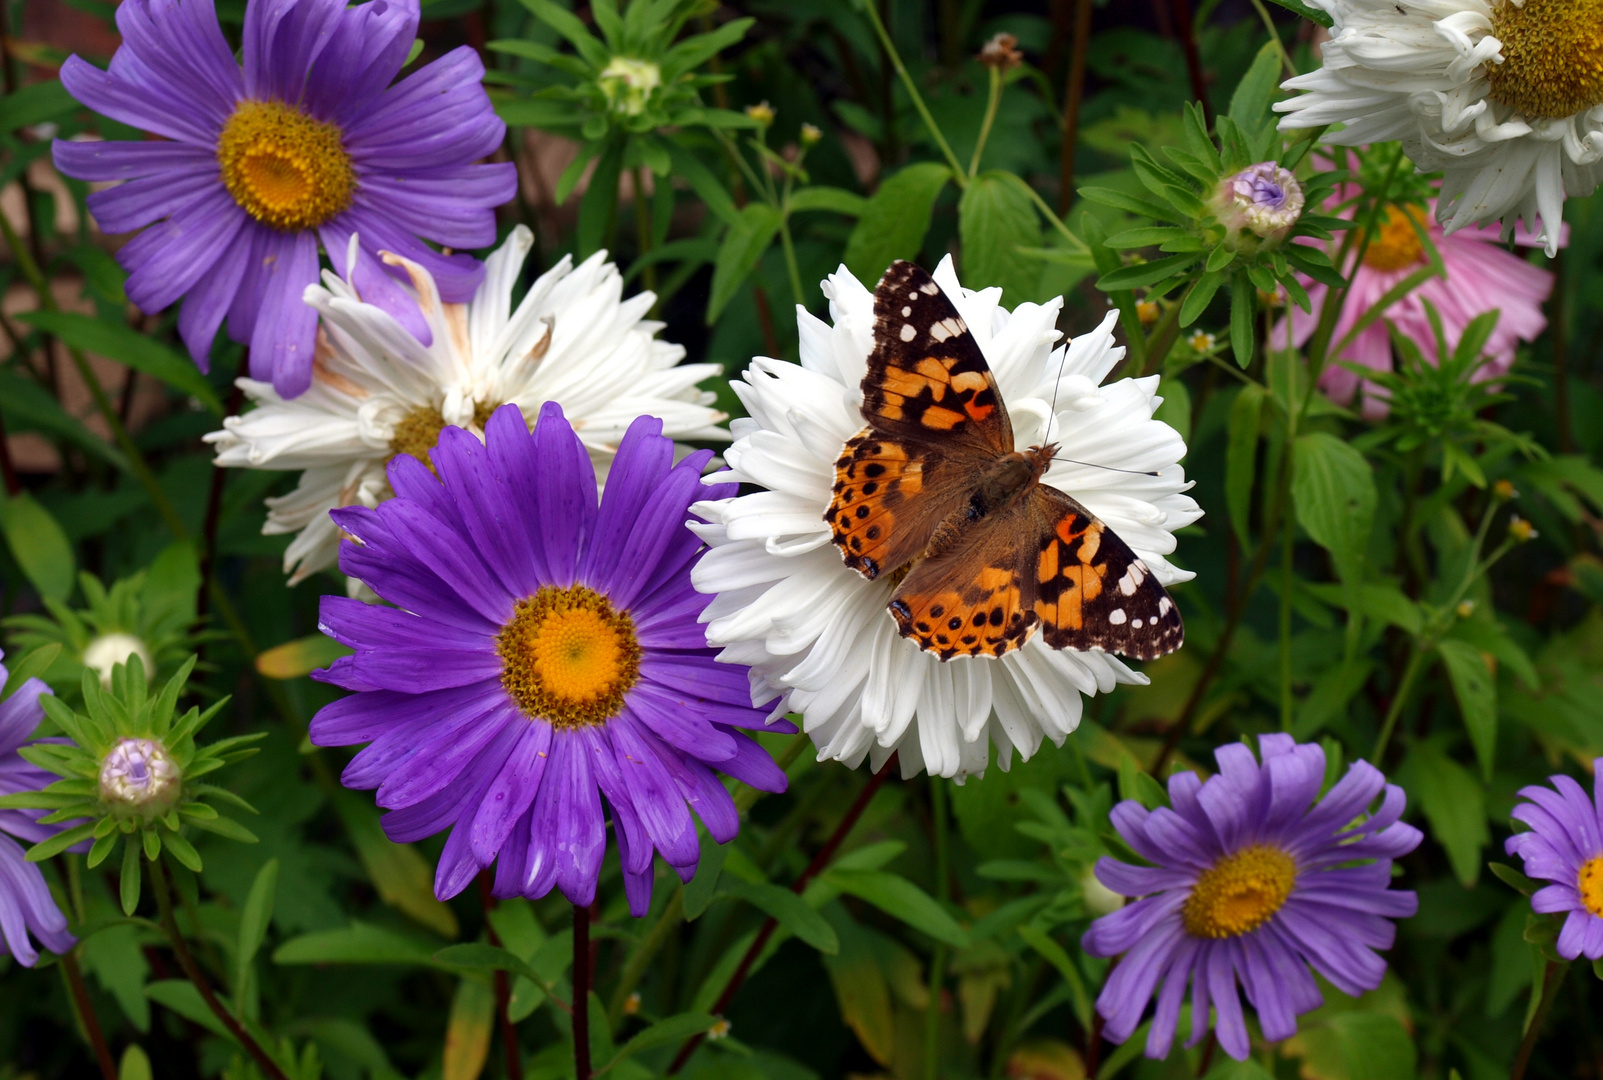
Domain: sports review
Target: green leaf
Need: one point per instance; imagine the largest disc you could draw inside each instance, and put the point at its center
(128, 346)
(902, 900)
(33, 664)
(742, 248)
(253, 922)
(1513, 878)
(38, 544)
(700, 890)
(1359, 1046)
(893, 223)
(181, 997)
(1249, 105)
(1200, 296)
(1333, 488)
(820, 197)
(1243, 304)
(128, 883)
(226, 827)
(996, 220)
(1454, 803)
(1241, 459)
(135, 1065)
(60, 842)
(1476, 690)
(27, 406)
(672, 1030)
(478, 956)
(467, 1028)
(571, 27)
(1336, 686)
(1147, 273)
(707, 186)
(35, 103)
(359, 943)
(1312, 14)
(1131, 203)
(403, 878)
(598, 209)
(536, 113)
(789, 910)
(1054, 954)
(300, 657)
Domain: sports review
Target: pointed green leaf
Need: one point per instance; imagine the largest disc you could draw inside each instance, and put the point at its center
(902, 900)
(128, 884)
(38, 544)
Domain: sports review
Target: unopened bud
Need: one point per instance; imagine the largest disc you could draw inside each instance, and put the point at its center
(1505, 490)
(1520, 530)
(762, 112)
(1002, 53)
(139, 778)
(631, 1004)
(810, 135)
(1465, 608)
(1263, 199)
(107, 651)
(1099, 899)
(1147, 312)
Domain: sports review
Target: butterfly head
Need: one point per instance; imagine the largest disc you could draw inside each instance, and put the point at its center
(1040, 459)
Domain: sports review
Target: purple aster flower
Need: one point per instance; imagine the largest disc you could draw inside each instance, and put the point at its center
(307, 143)
(546, 654)
(1256, 879)
(1565, 846)
(26, 905)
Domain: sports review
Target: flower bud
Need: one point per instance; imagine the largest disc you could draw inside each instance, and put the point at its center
(138, 778)
(720, 1029)
(1099, 899)
(762, 112)
(1002, 53)
(1147, 312)
(629, 83)
(1202, 341)
(1465, 608)
(107, 651)
(1520, 530)
(1263, 199)
(1504, 490)
(631, 1004)
(810, 134)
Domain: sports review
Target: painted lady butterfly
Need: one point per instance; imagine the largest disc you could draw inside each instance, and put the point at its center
(933, 493)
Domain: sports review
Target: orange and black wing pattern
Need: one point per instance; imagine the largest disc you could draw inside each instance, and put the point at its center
(1090, 591)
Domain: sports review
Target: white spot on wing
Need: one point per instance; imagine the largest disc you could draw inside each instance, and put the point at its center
(908, 333)
(1164, 604)
(906, 311)
(1136, 623)
(1116, 617)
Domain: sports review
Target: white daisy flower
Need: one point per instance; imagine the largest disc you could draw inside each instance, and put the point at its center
(1505, 97)
(376, 392)
(816, 632)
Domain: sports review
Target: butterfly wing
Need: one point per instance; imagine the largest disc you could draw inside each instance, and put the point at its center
(1090, 590)
(934, 417)
(1044, 561)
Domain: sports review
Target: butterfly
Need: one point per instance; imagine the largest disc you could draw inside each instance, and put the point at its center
(934, 494)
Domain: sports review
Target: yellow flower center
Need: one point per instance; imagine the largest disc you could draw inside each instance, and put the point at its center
(1590, 883)
(284, 168)
(568, 657)
(1552, 57)
(1239, 892)
(419, 431)
(1396, 243)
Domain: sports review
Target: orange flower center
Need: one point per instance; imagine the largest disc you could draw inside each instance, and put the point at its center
(285, 169)
(1239, 893)
(1552, 57)
(1396, 244)
(568, 657)
(1590, 883)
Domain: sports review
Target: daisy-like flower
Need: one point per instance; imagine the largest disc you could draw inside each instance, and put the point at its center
(1481, 277)
(377, 392)
(815, 630)
(1505, 97)
(26, 906)
(1565, 846)
(307, 142)
(1255, 879)
(545, 653)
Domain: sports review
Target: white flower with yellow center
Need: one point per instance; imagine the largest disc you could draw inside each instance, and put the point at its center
(815, 630)
(377, 392)
(1505, 97)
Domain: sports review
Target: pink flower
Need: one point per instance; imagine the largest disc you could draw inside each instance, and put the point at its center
(1481, 276)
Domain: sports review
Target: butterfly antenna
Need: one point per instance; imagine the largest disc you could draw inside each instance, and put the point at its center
(1052, 415)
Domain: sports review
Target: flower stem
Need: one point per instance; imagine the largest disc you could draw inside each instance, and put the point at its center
(1416, 659)
(820, 861)
(86, 1013)
(581, 992)
(169, 925)
(991, 104)
(1288, 581)
(958, 172)
(943, 893)
(503, 987)
(1552, 979)
(1073, 95)
(136, 460)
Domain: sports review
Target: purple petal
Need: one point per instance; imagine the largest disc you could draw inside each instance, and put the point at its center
(284, 338)
(512, 792)
(165, 261)
(644, 457)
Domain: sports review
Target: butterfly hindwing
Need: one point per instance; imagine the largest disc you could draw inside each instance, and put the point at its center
(1091, 591)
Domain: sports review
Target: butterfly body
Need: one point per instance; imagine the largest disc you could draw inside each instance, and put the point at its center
(934, 493)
